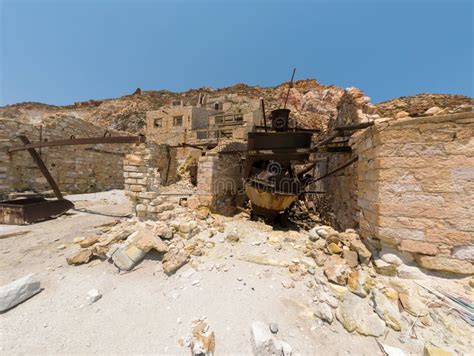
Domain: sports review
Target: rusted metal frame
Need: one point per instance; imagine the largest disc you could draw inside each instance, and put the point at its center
(198, 147)
(264, 116)
(301, 129)
(42, 167)
(347, 164)
(334, 149)
(80, 141)
(290, 85)
(92, 149)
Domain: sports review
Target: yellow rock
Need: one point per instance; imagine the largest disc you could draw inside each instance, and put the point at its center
(83, 256)
(431, 350)
(391, 294)
(334, 248)
(88, 241)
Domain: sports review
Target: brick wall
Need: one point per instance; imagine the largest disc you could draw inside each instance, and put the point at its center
(416, 188)
(76, 169)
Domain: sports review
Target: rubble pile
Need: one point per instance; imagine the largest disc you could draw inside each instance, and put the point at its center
(183, 234)
(369, 292)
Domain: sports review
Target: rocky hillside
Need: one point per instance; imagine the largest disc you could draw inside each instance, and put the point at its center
(418, 105)
(312, 105)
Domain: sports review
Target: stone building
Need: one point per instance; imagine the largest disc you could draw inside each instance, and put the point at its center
(204, 120)
(76, 169)
(411, 188)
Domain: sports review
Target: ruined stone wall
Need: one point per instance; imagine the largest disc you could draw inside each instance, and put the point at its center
(219, 183)
(147, 169)
(341, 187)
(76, 169)
(416, 188)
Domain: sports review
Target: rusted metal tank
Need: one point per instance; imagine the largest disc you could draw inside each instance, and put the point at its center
(270, 182)
(31, 210)
(266, 203)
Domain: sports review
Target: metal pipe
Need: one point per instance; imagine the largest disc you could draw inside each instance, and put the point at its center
(264, 116)
(80, 141)
(290, 85)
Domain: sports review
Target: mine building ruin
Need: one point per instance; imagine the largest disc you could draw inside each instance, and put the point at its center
(405, 181)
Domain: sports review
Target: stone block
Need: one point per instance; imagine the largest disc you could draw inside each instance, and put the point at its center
(425, 248)
(440, 263)
(18, 291)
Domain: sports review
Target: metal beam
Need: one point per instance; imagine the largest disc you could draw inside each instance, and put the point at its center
(80, 141)
(42, 167)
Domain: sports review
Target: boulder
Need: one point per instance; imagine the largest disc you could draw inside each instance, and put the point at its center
(384, 268)
(313, 234)
(401, 114)
(359, 283)
(386, 310)
(433, 110)
(355, 314)
(324, 312)
(431, 350)
(264, 343)
(173, 260)
(202, 213)
(334, 248)
(329, 299)
(89, 241)
(351, 257)
(80, 257)
(336, 270)
(18, 291)
(410, 272)
(146, 241)
(412, 304)
(362, 251)
(126, 257)
(441, 263)
(390, 257)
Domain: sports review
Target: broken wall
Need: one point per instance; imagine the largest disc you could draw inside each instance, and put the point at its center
(76, 169)
(147, 169)
(340, 207)
(219, 182)
(416, 188)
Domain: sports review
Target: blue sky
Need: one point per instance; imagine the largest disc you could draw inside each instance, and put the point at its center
(59, 52)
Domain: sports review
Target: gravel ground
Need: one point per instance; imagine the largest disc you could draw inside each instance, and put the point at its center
(146, 312)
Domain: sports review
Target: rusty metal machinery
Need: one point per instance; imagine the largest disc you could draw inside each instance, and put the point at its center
(30, 210)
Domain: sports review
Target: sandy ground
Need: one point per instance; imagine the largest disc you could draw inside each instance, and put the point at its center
(146, 312)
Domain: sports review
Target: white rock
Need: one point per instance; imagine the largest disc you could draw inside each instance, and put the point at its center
(433, 110)
(324, 312)
(286, 348)
(93, 296)
(313, 234)
(265, 344)
(18, 291)
(329, 299)
(392, 351)
(410, 272)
